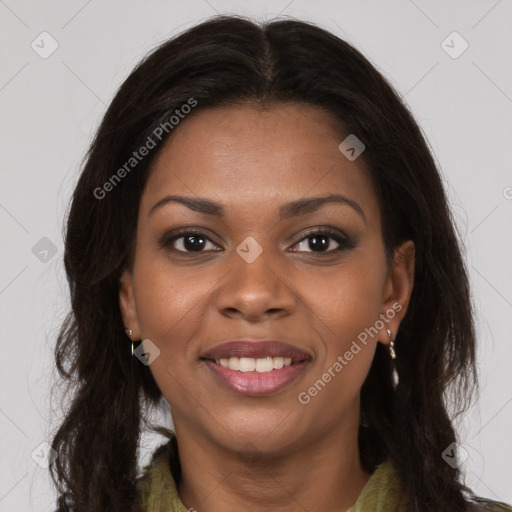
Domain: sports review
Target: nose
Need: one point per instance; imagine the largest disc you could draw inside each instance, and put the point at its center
(256, 290)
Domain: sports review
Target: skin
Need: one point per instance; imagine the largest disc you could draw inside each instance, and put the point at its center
(252, 453)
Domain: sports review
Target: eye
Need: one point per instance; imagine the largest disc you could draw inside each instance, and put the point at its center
(187, 241)
(320, 241)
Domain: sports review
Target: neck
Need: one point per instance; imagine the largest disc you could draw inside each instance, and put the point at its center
(323, 475)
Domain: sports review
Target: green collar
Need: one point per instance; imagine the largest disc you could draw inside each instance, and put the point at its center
(157, 489)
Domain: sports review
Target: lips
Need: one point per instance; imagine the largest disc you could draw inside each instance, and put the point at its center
(255, 368)
(256, 350)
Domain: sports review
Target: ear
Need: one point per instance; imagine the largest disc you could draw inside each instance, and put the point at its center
(397, 290)
(127, 305)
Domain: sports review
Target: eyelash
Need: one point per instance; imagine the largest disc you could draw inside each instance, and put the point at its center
(343, 241)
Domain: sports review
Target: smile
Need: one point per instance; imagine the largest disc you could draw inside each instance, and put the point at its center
(250, 364)
(253, 382)
(255, 368)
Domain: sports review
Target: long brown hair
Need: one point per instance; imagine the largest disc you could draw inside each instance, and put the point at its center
(228, 60)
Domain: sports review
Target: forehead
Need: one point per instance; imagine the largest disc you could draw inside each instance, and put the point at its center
(249, 155)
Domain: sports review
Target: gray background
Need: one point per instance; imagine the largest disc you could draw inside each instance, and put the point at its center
(50, 108)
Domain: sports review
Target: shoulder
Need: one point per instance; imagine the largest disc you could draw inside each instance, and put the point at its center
(383, 492)
(156, 488)
(145, 481)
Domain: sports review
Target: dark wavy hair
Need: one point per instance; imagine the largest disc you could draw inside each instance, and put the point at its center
(229, 60)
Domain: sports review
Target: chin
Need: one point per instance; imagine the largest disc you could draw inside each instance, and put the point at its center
(259, 435)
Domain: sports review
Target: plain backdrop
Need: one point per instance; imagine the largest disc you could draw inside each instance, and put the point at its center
(51, 107)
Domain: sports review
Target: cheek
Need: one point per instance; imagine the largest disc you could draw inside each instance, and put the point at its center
(348, 300)
(170, 307)
(346, 311)
(170, 304)
(346, 304)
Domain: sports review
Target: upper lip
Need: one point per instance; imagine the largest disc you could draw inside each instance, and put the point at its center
(256, 349)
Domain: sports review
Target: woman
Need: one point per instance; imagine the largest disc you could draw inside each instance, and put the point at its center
(260, 218)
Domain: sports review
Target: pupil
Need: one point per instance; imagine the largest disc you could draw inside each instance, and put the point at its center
(313, 242)
(191, 246)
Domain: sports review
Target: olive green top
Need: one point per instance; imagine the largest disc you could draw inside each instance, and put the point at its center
(157, 489)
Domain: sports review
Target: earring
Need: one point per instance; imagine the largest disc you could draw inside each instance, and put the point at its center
(394, 376)
(129, 333)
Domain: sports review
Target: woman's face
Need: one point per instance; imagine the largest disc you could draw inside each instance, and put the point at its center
(256, 271)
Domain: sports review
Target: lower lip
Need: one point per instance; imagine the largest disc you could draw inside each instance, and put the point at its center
(256, 383)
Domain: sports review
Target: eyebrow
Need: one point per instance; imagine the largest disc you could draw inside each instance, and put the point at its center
(292, 209)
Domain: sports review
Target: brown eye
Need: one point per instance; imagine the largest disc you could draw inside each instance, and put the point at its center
(320, 241)
(190, 241)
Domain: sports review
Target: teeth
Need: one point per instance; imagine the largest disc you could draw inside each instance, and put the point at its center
(278, 363)
(264, 365)
(250, 364)
(247, 364)
(233, 363)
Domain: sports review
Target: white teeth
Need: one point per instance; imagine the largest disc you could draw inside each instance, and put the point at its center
(247, 364)
(278, 363)
(251, 364)
(264, 365)
(233, 363)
